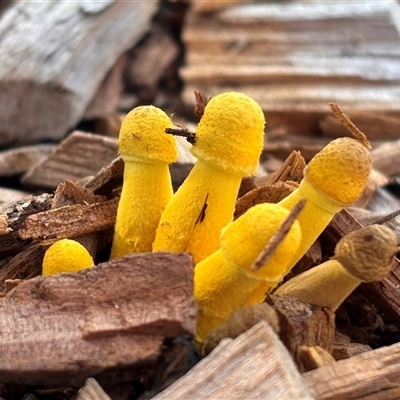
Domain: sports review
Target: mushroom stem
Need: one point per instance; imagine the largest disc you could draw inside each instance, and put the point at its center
(194, 226)
(142, 180)
(229, 140)
(317, 285)
(364, 255)
(147, 151)
(224, 280)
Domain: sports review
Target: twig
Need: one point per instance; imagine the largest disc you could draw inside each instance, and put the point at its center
(278, 236)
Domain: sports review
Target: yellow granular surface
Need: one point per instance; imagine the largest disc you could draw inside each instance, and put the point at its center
(340, 170)
(230, 133)
(142, 135)
(66, 256)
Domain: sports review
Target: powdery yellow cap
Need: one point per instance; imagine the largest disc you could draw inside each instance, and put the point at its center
(230, 133)
(340, 170)
(244, 239)
(142, 136)
(66, 255)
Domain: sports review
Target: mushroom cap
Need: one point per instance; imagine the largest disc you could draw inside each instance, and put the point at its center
(340, 170)
(243, 240)
(66, 255)
(367, 253)
(142, 136)
(230, 134)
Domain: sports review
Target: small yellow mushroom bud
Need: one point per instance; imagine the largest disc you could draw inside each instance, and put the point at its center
(66, 255)
(364, 255)
(224, 280)
(146, 150)
(228, 143)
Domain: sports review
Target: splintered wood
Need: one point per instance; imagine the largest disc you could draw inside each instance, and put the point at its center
(255, 365)
(62, 329)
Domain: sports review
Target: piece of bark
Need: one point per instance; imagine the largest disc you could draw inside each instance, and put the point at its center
(254, 365)
(70, 221)
(264, 194)
(108, 125)
(20, 159)
(341, 351)
(239, 322)
(371, 375)
(8, 196)
(25, 265)
(303, 324)
(92, 391)
(384, 294)
(71, 47)
(178, 358)
(106, 99)
(312, 258)
(312, 357)
(69, 193)
(282, 148)
(79, 155)
(291, 170)
(151, 58)
(376, 126)
(108, 178)
(16, 213)
(385, 157)
(62, 329)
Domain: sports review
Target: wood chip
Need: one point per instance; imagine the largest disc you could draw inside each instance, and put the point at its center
(70, 221)
(312, 357)
(79, 155)
(371, 375)
(255, 365)
(62, 329)
(295, 57)
(303, 325)
(16, 213)
(20, 159)
(273, 193)
(92, 391)
(291, 170)
(69, 193)
(44, 95)
(25, 265)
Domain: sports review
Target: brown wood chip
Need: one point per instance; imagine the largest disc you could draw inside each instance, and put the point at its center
(255, 365)
(78, 156)
(62, 329)
(70, 221)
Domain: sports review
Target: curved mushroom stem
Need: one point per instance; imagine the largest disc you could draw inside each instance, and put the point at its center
(208, 199)
(364, 255)
(143, 181)
(224, 280)
(220, 288)
(326, 285)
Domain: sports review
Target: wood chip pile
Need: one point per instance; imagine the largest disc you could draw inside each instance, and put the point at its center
(122, 330)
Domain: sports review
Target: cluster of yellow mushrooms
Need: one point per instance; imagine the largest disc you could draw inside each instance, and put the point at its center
(198, 218)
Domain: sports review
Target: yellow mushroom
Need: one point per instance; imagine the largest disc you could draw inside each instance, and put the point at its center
(228, 143)
(146, 150)
(364, 255)
(66, 255)
(334, 178)
(224, 280)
